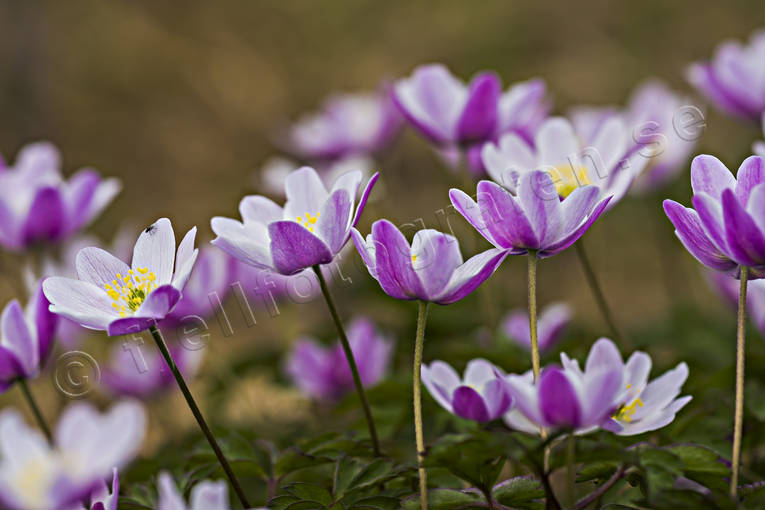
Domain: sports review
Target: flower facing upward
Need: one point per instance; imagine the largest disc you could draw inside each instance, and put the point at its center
(733, 80)
(26, 338)
(109, 295)
(38, 206)
(725, 229)
(311, 228)
(89, 445)
(552, 322)
(347, 125)
(536, 219)
(481, 395)
(431, 269)
(607, 394)
(604, 159)
(323, 373)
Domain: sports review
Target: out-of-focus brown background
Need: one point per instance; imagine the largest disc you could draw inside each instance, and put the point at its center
(183, 101)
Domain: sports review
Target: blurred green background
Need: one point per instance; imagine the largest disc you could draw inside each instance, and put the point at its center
(183, 101)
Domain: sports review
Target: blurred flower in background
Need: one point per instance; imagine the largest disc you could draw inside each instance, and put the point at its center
(458, 118)
(89, 445)
(101, 498)
(37, 205)
(729, 288)
(323, 373)
(481, 395)
(733, 80)
(551, 324)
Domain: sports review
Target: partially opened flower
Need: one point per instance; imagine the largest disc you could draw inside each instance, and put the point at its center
(534, 220)
(138, 370)
(642, 406)
(725, 229)
(346, 125)
(323, 373)
(481, 395)
(26, 338)
(605, 158)
(37, 205)
(552, 322)
(455, 115)
(311, 228)
(89, 445)
(109, 295)
(206, 495)
(275, 170)
(657, 119)
(733, 80)
(431, 269)
(101, 498)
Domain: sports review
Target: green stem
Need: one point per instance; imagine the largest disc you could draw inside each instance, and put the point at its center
(36, 410)
(533, 314)
(570, 455)
(351, 361)
(739, 410)
(422, 316)
(198, 415)
(597, 293)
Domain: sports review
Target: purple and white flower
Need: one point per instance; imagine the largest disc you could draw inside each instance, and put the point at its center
(431, 269)
(533, 220)
(134, 371)
(755, 295)
(26, 338)
(607, 394)
(111, 296)
(551, 324)
(481, 395)
(733, 80)
(37, 205)
(311, 228)
(346, 125)
(458, 116)
(206, 495)
(89, 445)
(323, 372)
(605, 158)
(101, 498)
(725, 229)
(275, 170)
(652, 115)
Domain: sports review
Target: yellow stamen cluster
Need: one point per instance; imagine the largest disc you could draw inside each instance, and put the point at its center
(129, 292)
(566, 179)
(414, 259)
(309, 222)
(625, 412)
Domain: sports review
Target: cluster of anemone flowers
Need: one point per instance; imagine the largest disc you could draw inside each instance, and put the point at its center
(538, 182)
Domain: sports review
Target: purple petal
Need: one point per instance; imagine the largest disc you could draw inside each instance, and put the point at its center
(504, 217)
(470, 210)
(435, 256)
(99, 267)
(394, 262)
(750, 174)
(703, 78)
(467, 403)
(558, 401)
(600, 395)
(294, 248)
(709, 175)
(479, 116)
(159, 302)
(364, 198)
(604, 355)
(310, 367)
(79, 192)
(745, 240)
(497, 398)
(334, 221)
(45, 322)
(690, 231)
(9, 228)
(541, 205)
(305, 193)
(467, 277)
(47, 214)
(79, 301)
(441, 380)
(129, 325)
(576, 234)
(155, 250)
(17, 337)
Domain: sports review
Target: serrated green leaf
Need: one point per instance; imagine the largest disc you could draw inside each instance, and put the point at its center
(309, 491)
(373, 473)
(518, 492)
(346, 469)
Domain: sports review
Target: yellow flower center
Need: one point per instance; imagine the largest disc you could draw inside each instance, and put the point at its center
(309, 222)
(414, 259)
(625, 412)
(129, 292)
(566, 179)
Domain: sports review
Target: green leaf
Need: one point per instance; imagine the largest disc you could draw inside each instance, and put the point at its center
(445, 499)
(309, 491)
(519, 492)
(346, 470)
(699, 459)
(373, 473)
(375, 503)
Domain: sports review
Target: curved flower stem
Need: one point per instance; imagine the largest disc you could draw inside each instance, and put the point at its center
(570, 455)
(351, 360)
(422, 316)
(533, 313)
(36, 410)
(198, 415)
(600, 491)
(597, 293)
(739, 410)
